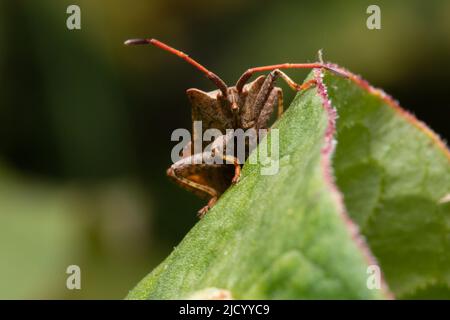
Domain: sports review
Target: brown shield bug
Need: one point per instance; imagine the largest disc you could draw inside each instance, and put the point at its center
(243, 106)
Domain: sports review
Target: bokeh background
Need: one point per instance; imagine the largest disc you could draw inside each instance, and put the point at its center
(85, 122)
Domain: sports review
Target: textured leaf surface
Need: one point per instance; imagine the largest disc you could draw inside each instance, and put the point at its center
(394, 173)
(288, 235)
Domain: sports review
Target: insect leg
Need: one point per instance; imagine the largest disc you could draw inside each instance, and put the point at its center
(275, 96)
(219, 148)
(280, 107)
(196, 187)
(201, 213)
(190, 184)
(264, 103)
(237, 167)
(292, 84)
(263, 95)
(247, 74)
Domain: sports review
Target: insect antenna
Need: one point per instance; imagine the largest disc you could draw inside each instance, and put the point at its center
(210, 75)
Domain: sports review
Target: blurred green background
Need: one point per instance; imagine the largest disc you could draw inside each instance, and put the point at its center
(85, 122)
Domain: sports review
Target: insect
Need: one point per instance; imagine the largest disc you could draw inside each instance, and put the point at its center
(245, 105)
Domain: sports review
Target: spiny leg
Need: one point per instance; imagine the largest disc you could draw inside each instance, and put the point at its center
(267, 109)
(219, 149)
(280, 107)
(190, 184)
(315, 65)
(292, 84)
(267, 88)
(237, 167)
(263, 95)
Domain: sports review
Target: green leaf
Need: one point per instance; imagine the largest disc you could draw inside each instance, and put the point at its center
(287, 236)
(394, 172)
(272, 236)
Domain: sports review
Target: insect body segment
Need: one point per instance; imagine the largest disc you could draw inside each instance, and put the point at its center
(247, 105)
